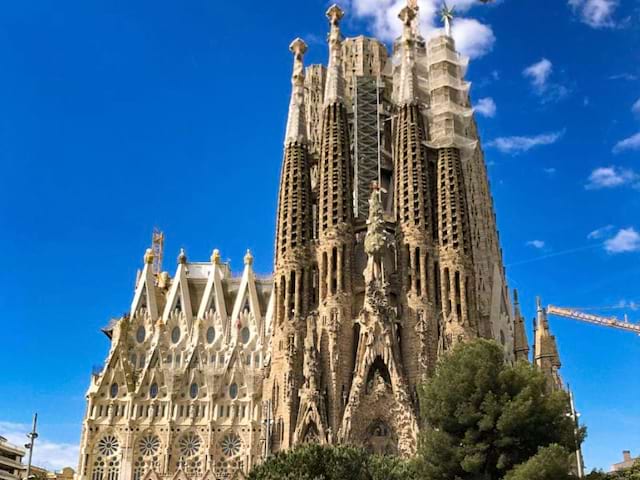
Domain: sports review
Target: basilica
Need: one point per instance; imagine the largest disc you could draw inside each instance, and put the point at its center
(387, 255)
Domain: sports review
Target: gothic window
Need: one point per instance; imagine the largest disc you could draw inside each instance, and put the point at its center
(149, 445)
(233, 391)
(113, 468)
(231, 445)
(108, 445)
(98, 469)
(245, 334)
(189, 444)
(193, 390)
(113, 391)
(211, 334)
(175, 334)
(153, 390)
(141, 334)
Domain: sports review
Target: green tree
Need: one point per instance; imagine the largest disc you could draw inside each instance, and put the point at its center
(483, 417)
(315, 462)
(550, 463)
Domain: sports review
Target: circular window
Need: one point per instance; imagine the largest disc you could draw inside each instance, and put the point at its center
(141, 334)
(175, 334)
(108, 445)
(193, 390)
(114, 390)
(233, 391)
(231, 445)
(149, 445)
(189, 444)
(153, 390)
(211, 334)
(245, 334)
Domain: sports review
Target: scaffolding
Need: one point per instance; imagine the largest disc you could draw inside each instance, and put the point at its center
(367, 141)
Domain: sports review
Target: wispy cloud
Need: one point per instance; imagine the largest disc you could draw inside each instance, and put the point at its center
(630, 304)
(538, 244)
(624, 76)
(520, 144)
(626, 240)
(486, 107)
(635, 108)
(549, 171)
(595, 13)
(539, 74)
(631, 143)
(600, 233)
(611, 177)
(472, 37)
(48, 454)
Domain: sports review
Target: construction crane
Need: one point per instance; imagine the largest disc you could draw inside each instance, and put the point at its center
(157, 247)
(611, 322)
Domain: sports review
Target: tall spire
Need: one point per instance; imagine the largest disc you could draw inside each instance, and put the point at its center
(521, 344)
(406, 93)
(296, 122)
(447, 15)
(334, 91)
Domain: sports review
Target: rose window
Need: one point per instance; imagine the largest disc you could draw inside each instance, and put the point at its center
(189, 444)
(149, 445)
(231, 445)
(108, 445)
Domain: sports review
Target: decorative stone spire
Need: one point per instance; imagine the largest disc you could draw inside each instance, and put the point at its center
(248, 258)
(546, 355)
(215, 256)
(521, 344)
(296, 122)
(406, 92)
(182, 257)
(148, 256)
(447, 15)
(376, 240)
(334, 90)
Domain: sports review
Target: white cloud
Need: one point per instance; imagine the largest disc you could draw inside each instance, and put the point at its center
(599, 233)
(539, 244)
(636, 107)
(47, 454)
(550, 171)
(631, 143)
(486, 107)
(595, 13)
(611, 177)
(519, 144)
(626, 240)
(623, 76)
(539, 74)
(630, 304)
(472, 37)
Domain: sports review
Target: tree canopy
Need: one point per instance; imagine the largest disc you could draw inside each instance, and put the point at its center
(483, 416)
(315, 462)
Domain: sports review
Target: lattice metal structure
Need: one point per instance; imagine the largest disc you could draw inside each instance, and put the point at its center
(367, 140)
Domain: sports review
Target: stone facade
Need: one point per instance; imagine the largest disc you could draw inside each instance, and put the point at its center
(208, 372)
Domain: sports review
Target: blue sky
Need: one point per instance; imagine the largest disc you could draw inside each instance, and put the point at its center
(117, 116)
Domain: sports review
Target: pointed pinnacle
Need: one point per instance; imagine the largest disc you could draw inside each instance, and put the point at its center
(298, 47)
(407, 15)
(335, 14)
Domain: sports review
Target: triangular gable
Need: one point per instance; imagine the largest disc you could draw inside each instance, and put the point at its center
(208, 475)
(213, 293)
(145, 294)
(180, 475)
(151, 475)
(179, 295)
(247, 296)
